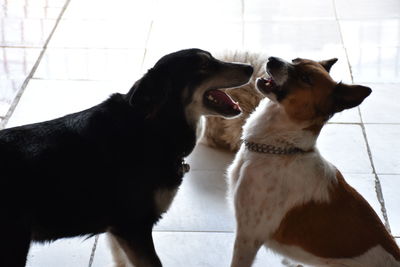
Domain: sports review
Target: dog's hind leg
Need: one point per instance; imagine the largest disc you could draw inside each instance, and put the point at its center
(14, 245)
(119, 257)
(245, 250)
(138, 247)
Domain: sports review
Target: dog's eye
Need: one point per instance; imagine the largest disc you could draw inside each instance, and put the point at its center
(306, 78)
(296, 60)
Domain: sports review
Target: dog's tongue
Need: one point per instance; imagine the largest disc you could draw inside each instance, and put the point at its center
(223, 99)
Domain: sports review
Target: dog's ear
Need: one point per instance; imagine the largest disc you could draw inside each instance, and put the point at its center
(327, 64)
(349, 96)
(148, 94)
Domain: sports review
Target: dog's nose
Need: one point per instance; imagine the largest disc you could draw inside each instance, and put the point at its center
(275, 62)
(249, 70)
(275, 59)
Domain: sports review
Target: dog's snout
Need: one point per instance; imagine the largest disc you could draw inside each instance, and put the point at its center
(249, 70)
(274, 62)
(274, 59)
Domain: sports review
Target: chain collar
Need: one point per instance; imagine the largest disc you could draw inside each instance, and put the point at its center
(270, 149)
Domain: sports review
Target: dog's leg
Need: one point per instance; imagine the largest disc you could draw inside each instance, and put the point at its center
(119, 257)
(245, 250)
(14, 246)
(138, 247)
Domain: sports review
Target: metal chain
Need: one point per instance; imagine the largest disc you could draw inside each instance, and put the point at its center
(270, 149)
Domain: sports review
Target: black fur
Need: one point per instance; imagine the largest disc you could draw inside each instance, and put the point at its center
(97, 170)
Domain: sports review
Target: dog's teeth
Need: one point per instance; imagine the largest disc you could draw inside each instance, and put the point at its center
(210, 98)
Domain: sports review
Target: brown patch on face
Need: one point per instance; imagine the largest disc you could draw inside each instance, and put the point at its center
(345, 227)
(309, 92)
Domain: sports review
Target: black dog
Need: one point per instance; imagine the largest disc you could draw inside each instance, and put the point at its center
(114, 167)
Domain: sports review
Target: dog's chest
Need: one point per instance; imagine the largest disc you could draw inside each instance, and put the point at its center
(163, 199)
(265, 190)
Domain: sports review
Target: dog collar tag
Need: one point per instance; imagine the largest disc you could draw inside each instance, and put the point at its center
(185, 167)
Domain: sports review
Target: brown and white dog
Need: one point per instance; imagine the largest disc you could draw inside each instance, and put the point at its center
(287, 197)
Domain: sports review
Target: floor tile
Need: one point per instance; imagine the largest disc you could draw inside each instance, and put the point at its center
(90, 64)
(17, 62)
(385, 147)
(200, 205)
(61, 253)
(296, 34)
(15, 66)
(201, 34)
(97, 33)
(207, 158)
(390, 188)
(344, 146)
(194, 249)
(375, 64)
(259, 10)
(36, 3)
(382, 105)
(204, 11)
(18, 10)
(346, 116)
(373, 32)
(45, 100)
(365, 185)
(102, 256)
(352, 9)
(8, 90)
(25, 32)
(116, 9)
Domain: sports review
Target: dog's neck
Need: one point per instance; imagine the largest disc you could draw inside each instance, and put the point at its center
(269, 124)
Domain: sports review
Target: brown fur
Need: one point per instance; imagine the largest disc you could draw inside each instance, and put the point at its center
(310, 102)
(318, 227)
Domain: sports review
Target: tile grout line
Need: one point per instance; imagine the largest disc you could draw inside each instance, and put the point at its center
(33, 70)
(378, 187)
(342, 41)
(146, 45)
(93, 252)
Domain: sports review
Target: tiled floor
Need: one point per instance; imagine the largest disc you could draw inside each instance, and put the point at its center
(60, 56)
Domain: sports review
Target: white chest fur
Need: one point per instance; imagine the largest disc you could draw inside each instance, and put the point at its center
(265, 187)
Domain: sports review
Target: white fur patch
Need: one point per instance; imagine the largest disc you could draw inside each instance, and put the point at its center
(375, 257)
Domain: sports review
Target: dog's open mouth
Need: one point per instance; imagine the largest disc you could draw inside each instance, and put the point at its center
(222, 103)
(267, 85)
